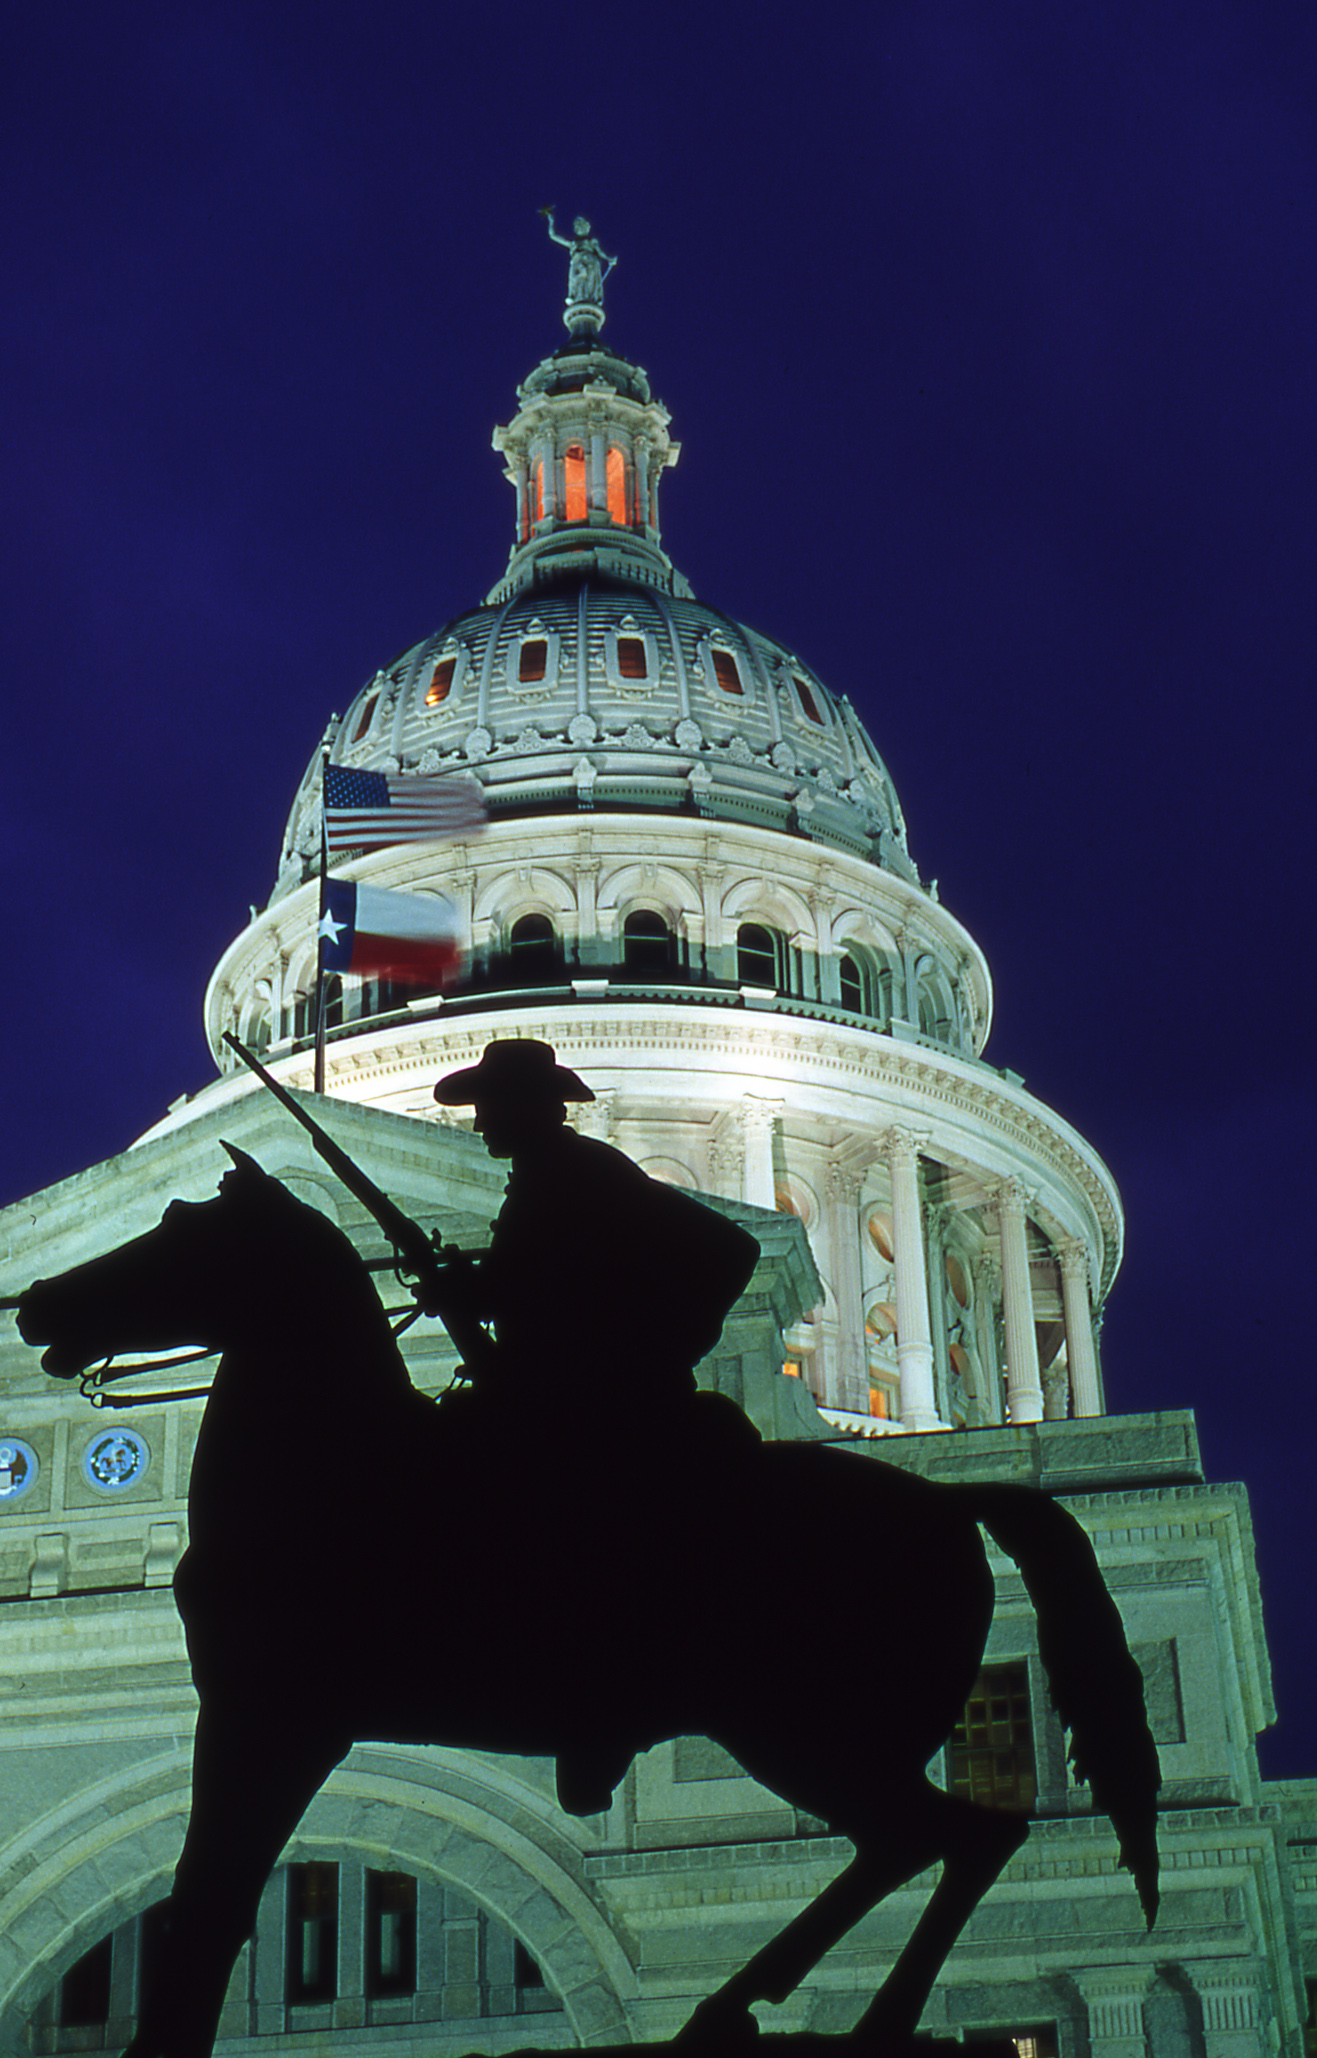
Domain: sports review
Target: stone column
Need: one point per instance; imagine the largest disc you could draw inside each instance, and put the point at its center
(1080, 1353)
(268, 2011)
(1023, 1386)
(523, 501)
(1232, 2025)
(598, 470)
(914, 1342)
(758, 1184)
(586, 871)
(597, 1117)
(349, 2011)
(852, 1372)
(1114, 1995)
(645, 510)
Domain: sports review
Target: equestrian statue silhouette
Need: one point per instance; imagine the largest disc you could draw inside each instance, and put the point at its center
(578, 1460)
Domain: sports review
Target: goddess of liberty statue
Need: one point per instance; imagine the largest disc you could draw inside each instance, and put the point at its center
(589, 266)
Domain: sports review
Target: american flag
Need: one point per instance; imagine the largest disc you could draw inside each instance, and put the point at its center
(368, 810)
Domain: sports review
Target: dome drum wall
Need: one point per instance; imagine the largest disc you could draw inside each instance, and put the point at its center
(711, 971)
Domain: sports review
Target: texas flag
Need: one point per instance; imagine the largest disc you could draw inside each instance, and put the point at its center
(411, 938)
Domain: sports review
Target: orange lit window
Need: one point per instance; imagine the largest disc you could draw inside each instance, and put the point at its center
(363, 720)
(616, 476)
(442, 683)
(532, 658)
(880, 1403)
(574, 480)
(792, 1368)
(537, 489)
(726, 672)
(808, 702)
(631, 657)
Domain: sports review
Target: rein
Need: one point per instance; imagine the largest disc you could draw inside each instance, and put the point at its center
(93, 1382)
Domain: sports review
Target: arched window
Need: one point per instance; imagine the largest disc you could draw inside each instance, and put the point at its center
(573, 468)
(854, 994)
(615, 473)
(760, 955)
(647, 944)
(533, 951)
(364, 718)
(936, 1009)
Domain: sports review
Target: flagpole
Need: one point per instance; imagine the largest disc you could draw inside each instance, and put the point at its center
(318, 1074)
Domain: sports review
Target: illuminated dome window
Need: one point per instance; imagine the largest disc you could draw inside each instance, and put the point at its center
(616, 482)
(441, 685)
(880, 1323)
(809, 705)
(631, 659)
(573, 465)
(364, 718)
(726, 671)
(881, 1237)
(532, 659)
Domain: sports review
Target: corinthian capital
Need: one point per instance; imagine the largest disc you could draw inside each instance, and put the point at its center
(902, 1142)
(1073, 1254)
(1012, 1197)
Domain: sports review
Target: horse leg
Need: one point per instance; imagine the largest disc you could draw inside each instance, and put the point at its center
(253, 1776)
(976, 1844)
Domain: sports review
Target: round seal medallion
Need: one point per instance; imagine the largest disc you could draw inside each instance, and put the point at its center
(115, 1460)
(18, 1469)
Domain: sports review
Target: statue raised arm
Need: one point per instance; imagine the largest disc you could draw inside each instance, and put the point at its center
(589, 266)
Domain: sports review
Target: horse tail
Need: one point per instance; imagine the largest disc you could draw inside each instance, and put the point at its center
(1095, 1683)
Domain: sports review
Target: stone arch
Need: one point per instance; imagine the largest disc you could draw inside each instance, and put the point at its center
(95, 1862)
(508, 897)
(664, 888)
(936, 999)
(671, 1172)
(92, 1862)
(772, 902)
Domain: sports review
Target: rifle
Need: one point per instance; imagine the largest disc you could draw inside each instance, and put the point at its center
(416, 1250)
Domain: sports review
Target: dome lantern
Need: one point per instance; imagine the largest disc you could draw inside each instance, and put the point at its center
(586, 450)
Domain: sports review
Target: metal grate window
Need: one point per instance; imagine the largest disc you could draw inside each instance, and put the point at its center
(991, 1756)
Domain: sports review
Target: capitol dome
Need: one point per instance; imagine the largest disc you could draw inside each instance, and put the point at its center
(694, 881)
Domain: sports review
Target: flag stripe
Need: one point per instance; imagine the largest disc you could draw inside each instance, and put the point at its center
(369, 810)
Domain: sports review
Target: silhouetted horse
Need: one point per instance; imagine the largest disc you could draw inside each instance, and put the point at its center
(352, 1560)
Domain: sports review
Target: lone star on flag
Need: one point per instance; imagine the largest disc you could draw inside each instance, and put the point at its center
(330, 928)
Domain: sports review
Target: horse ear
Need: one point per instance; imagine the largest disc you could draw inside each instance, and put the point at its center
(242, 1160)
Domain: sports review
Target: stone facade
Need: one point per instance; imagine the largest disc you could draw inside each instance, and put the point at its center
(695, 882)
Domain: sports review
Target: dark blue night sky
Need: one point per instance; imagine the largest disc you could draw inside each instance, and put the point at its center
(987, 334)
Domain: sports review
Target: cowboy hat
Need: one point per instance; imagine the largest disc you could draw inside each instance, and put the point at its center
(517, 1068)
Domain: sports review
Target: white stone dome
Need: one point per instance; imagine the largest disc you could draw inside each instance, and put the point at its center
(587, 692)
(694, 882)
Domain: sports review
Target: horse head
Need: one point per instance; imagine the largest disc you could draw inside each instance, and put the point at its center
(202, 1275)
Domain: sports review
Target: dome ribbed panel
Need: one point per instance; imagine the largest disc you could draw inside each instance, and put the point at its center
(781, 750)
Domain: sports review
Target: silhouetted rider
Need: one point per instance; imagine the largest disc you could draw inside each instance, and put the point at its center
(603, 1289)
